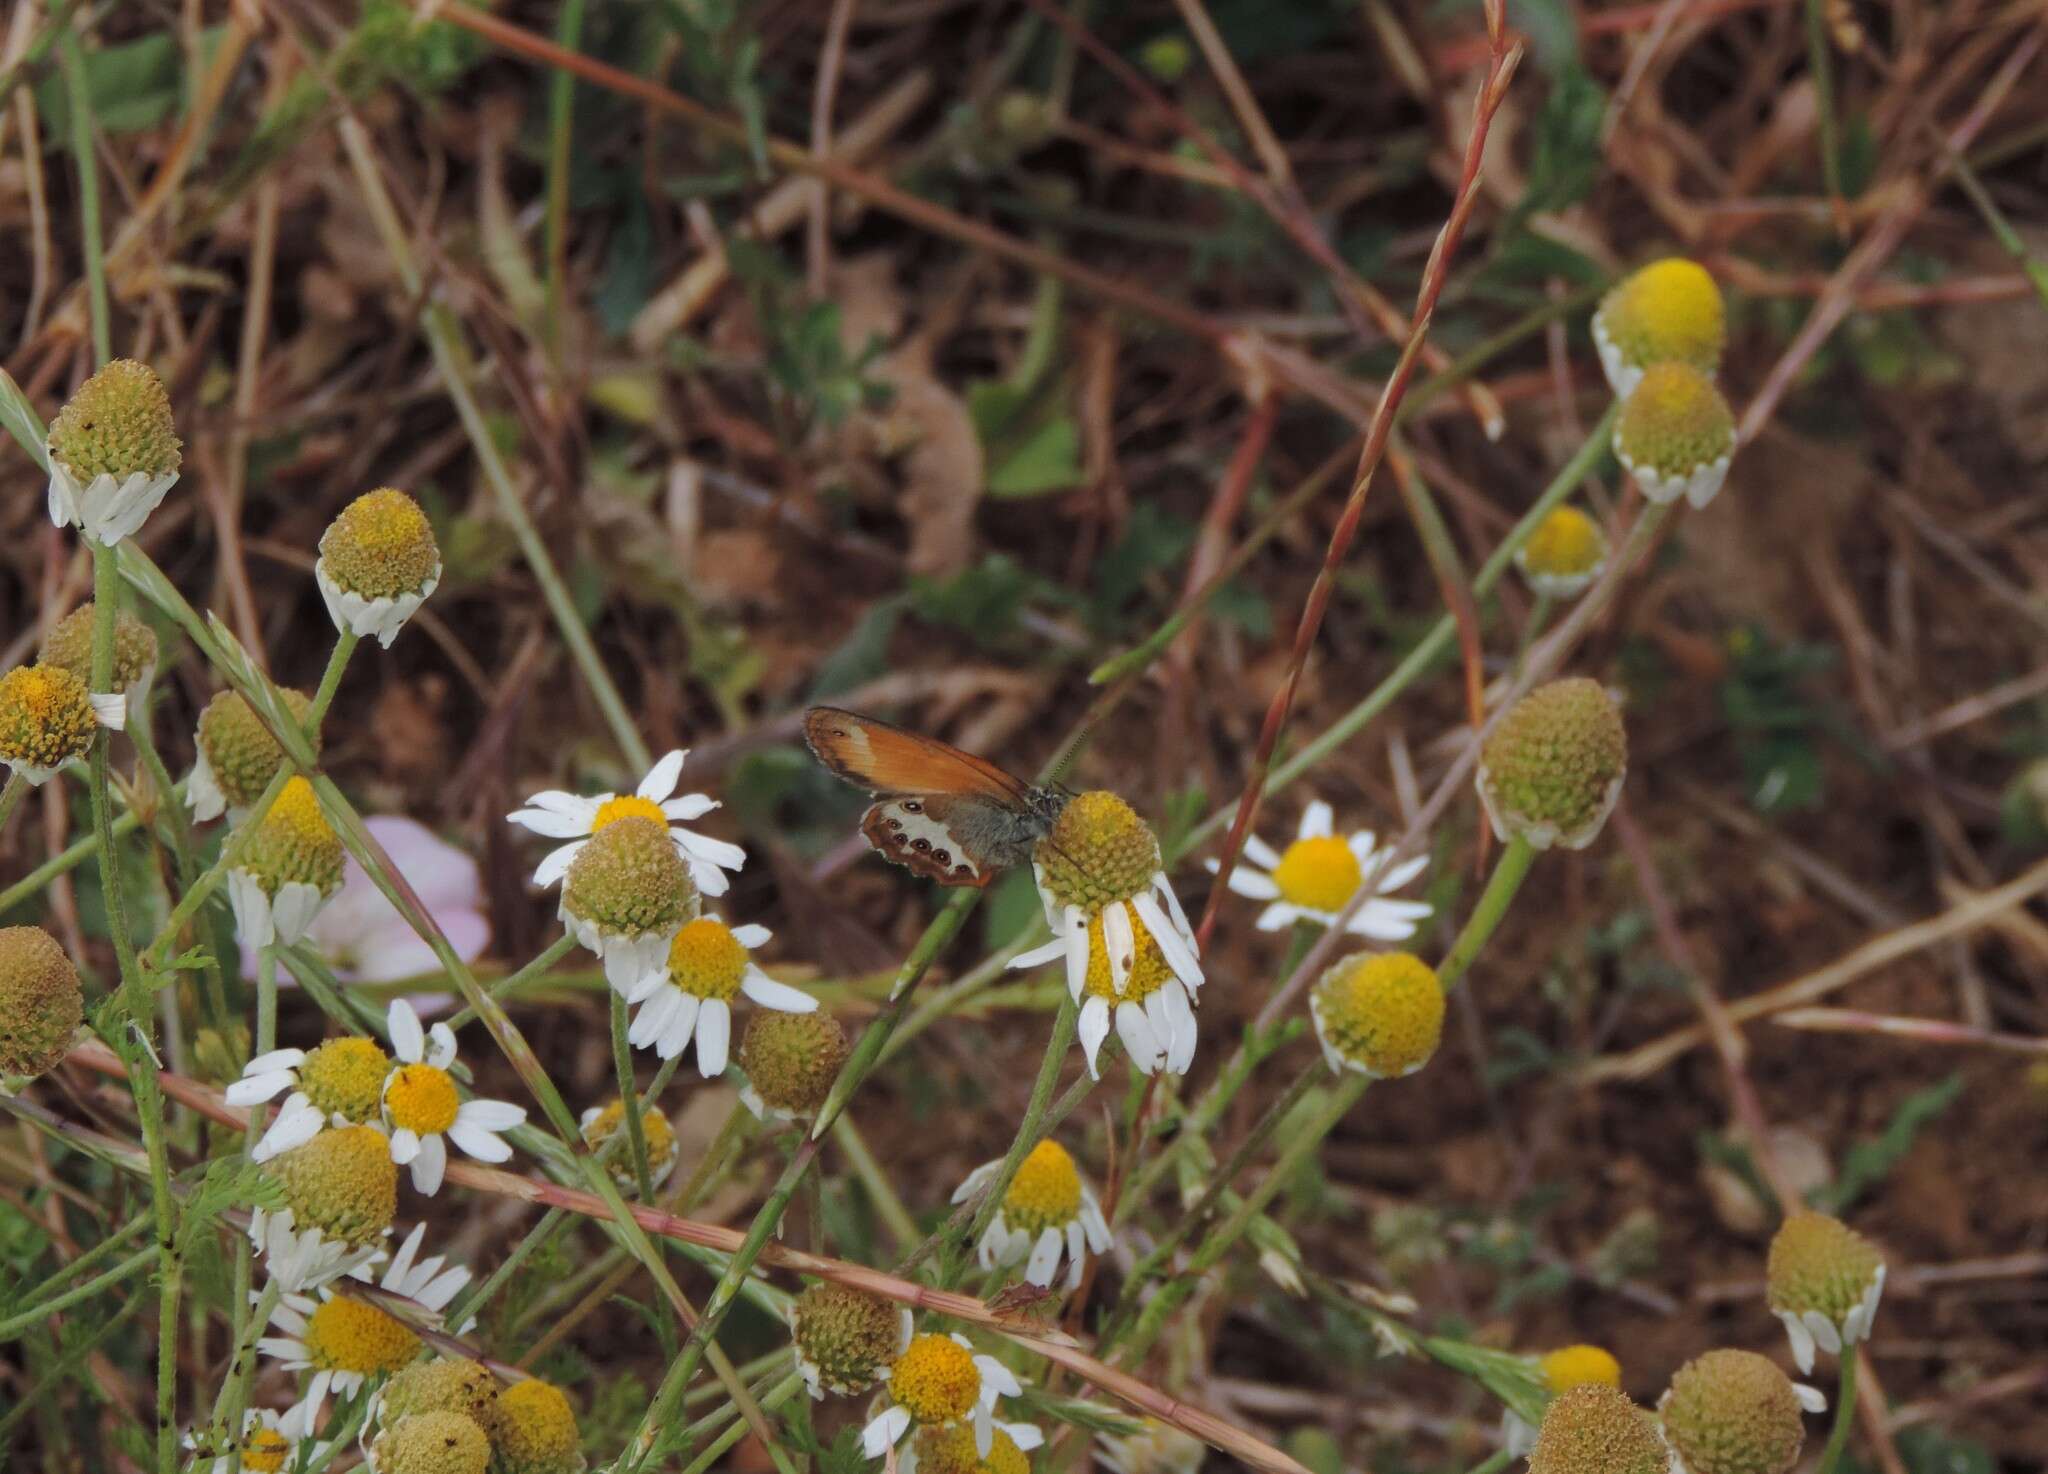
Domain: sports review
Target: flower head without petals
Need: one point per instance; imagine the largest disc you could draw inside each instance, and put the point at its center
(626, 895)
(431, 1443)
(237, 755)
(533, 1430)
(69, 644)
(114, 452)
(1564, 554)
(1734, 1412)
(1594, 1429)
(447, 1384)
(790, 1061)
(846, 1339)
(600, 1124)
(1676, 435)
(41, 1005)
(1378, 1014)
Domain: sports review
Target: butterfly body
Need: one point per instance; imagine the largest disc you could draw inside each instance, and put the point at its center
(945, 814)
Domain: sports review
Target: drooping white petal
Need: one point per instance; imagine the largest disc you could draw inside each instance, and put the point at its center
(1812, 1399)
(997, 1379)
(254, 1088)
(1801, 1339)
(252, 909)
(714, 1033)
(1038, 956)
(881, 1433)
(442, 1053)
(1045, 1258)
(556, 863)
(1077, 1243)
(477, 1141)
(649, 984)
(1094, 1225)
(1120, 942)
(1826, 1334)
(1182, 1052)
(408, 1040)
(765, 991)
(682, 1024)
(429, 1166)
(405, 1145)
(1179, 955)
(1146, 1052)
(1093, 1026)
(294, 1126)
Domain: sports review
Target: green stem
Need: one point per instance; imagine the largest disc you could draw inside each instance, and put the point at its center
(104, 1249)
(629, 1099)
(345, 642)
(177, 831)
(1845, 1414)
(71, 58)
(559, 948)
(1498, 1460)
(16, 789)
(14, 1325)
(723, 1444)
(881, 1192)
(1820, 62)
(70, 858)
(1509, 871)
(561, 128)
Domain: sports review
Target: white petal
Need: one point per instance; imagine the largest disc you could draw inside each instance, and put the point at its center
(1038, 956)
(1801, 1339)
(1260, 853)
(1095, 1226)
(995, 1239)
(1026, 1436)
(1045, 1258)
(1402, 873)
(1317, 820)
(649, 984)
(430, 1164)
(1094, 1028)
(1363, 844)
(1181, 1053)
(702, 848)
(971, 1184)
(477, 1141)
(1077, 1245)
(1826, 1334)
(682, 1024)
(291, 1128)
(689, 806)
(765, 991)
(442, 1054)
(1147, 1054)
(1278, 916)
(880, 1435)
(552, 824)
(1810, 1398)
(1385, 921)
(401, 1262)
(253, 1089)
(293, 908)
(1075, 925)
(557, 863)
(984, 1430)
(491, 1115)
(405, 1145)
(1120, 942)
(660, 781)
(1172, 945)
(752, 935)
(408, 1041)
(714, 1033)
(1254, 883)
(251, 908)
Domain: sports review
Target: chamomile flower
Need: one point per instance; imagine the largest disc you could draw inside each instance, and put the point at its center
(378, 562)
(447, 1384)
(292, 865)
(425, 1111)
(237, 755)
(574, 817)
(626, 896)
(340, 1196)
(1562, 1369)
(708, 967)
(1378, 1014)
(1563, 555)
(1315, 875)
(601, 1123)
(69, 644)
(41, 1005)
(1156, 1448)
(339, 1082)
(344, 1341)
(1048, 1211)
(47, 719)
(533, 1430)
(1130, 954)
(846, 1340)
(266, 1444)
(938, 1382)
(1552, 770)
(1669, 311)
(114, 453)
(953, 1451)
(431, 1443)
(790, 1061)
(1734, 1412)
(1595, 1429)
(1823, 1280)
(1676, 435)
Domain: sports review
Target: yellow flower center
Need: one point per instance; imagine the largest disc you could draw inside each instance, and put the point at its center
(345, 1075)
(1149, 970)
(297, 813)
(1565, 544)
(1384, 1014)
(1046, 1192)
(1099, 851)
(628, 806)
(1670, 309)
(951, 1451)
(421, 1098)
(265, 1450)
(1319, 874)
(533, 1425)
(345, 1335)
(45, 718)
(1576, 1366)
(707, 960)
(935, 1380)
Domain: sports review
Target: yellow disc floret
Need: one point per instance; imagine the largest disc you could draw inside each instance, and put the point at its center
(40, 1002)
(628, 879)
(346, 1077)
(1099, 851)
(1669, 311)
(791, 1059)
(239, 749)
(627, 806)
(654, 1130)
(69, 644)
(432, 1443)
(935, 1380)
(381, 546)
(1150, 970)
(265, 1450)
(533, 1430)
(952, 1451)
(1733, 1412)
(349, 1335)
(850, 1337)
(1594, 1429)
(1675, 422)
(118, 424)
(342, 1182)
(1553, 768)
(1381, 1015)
(1563, 554)
(1576, 1366)
(295, 843)
(1319, 873)
(707, 961)
(421, 1098)
(1046, 1192)
(1819, 1263)
(46, 718)
(447, 1384)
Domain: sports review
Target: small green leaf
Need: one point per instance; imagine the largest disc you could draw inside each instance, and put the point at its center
(1868, 1163)
(1046, 460)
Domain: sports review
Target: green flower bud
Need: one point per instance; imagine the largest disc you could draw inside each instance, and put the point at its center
(1593, 1429)
(237, 752)
(1676, 435)
(1552, 769)
(69, 644)
(40, 1002)
(791, 1059)
(1823, 1280)
(447, 1384)
(533, 1431)
(1733, 1412)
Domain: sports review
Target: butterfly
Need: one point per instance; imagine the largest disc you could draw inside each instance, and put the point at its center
(946, 814)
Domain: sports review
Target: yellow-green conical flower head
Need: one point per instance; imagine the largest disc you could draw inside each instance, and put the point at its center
(1823, 1280)
(447, 1384)
(46, 720)
(378, 562)
(432, 1443)
(342, 1182)
(237, 755)
(292, 865)
(952, 1451)
(628, 892)
(1552, 770)
(69, 644)
(1676, 435)
(533, 1431)
(790, 1061)
(1668, 312)
(114, 452)
(1734, 1412)
(846, 1340)
(40, 1002)
(1564, 554)
(1593, 1429)
(602, 1123)
(1378, 1015)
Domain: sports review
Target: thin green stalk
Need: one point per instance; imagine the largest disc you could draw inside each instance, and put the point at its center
(184, 859)
(881, 1192)
(556, 950)
(71, 58)
(16, 789)
(1845, 1414)
(629, 1098)
(70, 858)
(2008, 239)
(561, 128)
(345, 642)
(25, 1320)
(723, 1444)
(201, 890)
(1509, 871)
(1820, 61)
(90, 1259)
(76, 1349)
(1493, 1463)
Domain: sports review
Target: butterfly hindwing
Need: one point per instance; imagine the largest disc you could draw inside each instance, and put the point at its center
(907, 831)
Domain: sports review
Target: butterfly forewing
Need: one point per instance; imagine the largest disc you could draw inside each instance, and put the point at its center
(887, 759)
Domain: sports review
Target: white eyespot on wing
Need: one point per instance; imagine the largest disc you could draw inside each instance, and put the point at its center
(906, 831)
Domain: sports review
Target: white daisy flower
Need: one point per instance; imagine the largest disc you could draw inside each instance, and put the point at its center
(378, 563)
(574, 817)
(292, 865)
(1313, 878)
(267, 1444)
(1047, 1212)
(303, 1259)
(340, 1193)
(692, 993)
(938, 1382)
(337, 1082)
(113, 453)
(424, 1110)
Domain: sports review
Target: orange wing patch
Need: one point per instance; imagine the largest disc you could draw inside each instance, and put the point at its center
(886, 759)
